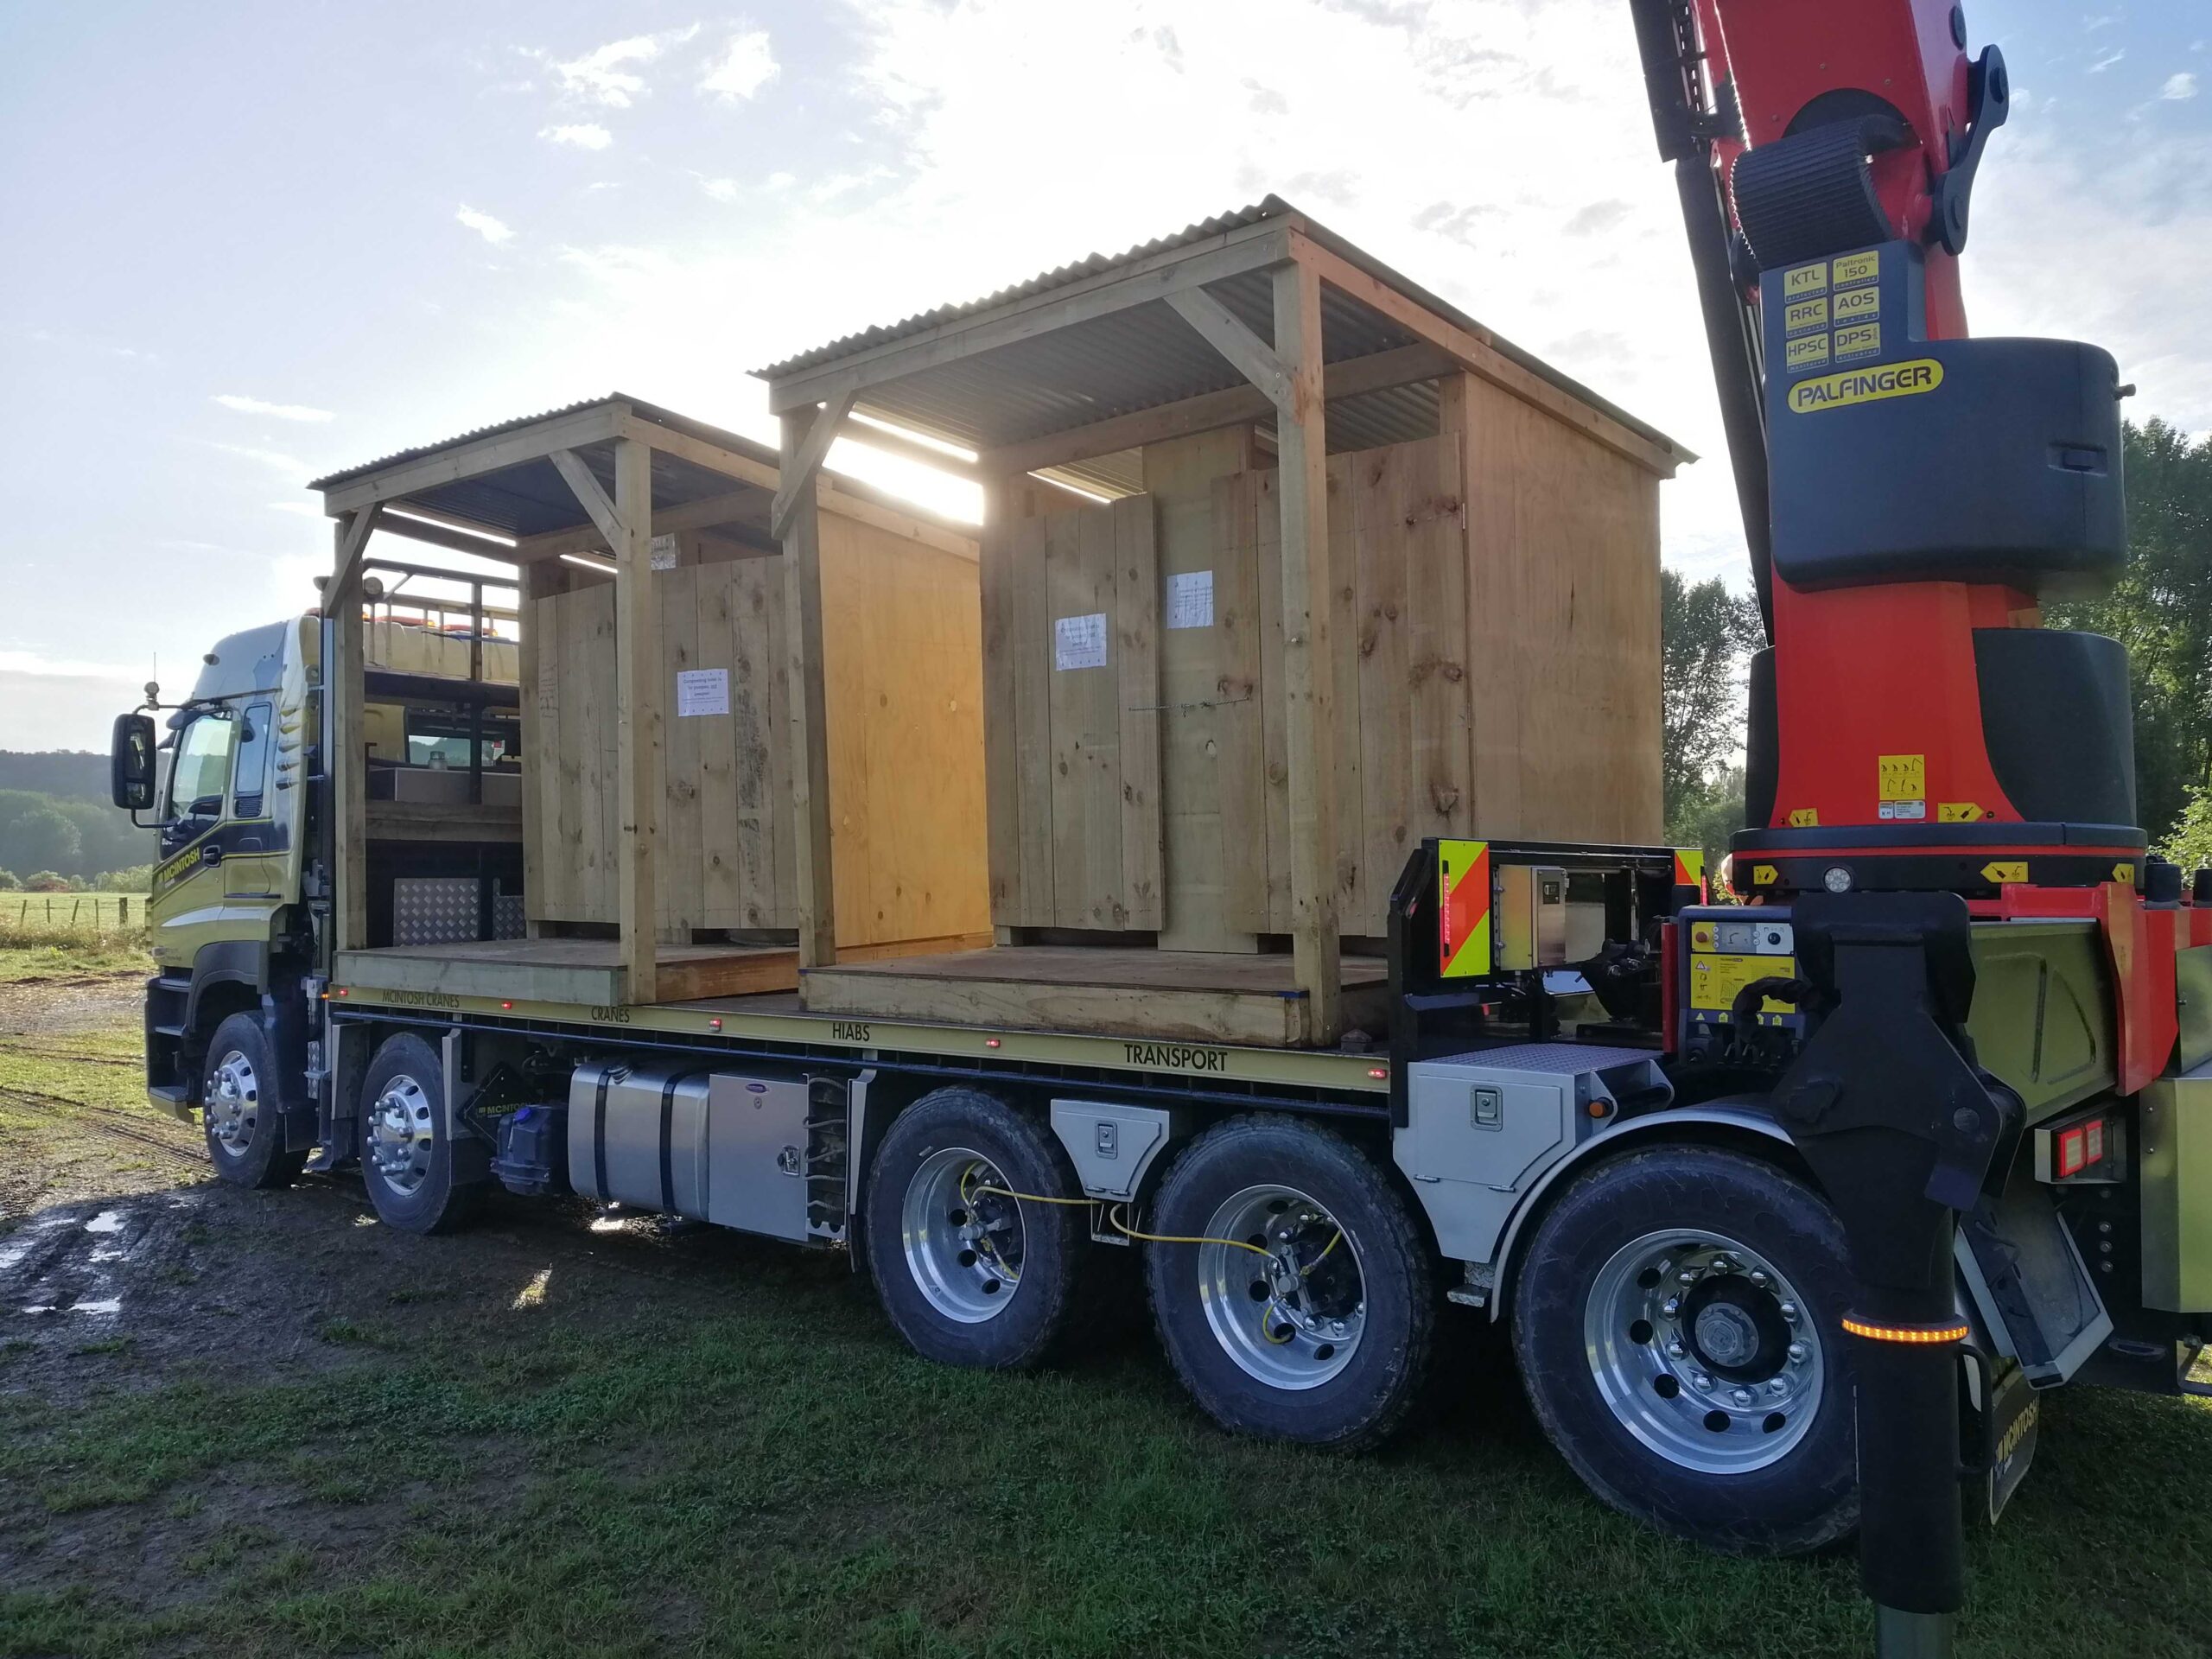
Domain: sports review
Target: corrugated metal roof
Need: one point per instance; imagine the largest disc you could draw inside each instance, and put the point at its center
(530, 498)
(684, 423)
(1272, 206)
(1146, 355)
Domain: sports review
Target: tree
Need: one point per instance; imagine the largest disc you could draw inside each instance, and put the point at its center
(1708, 819)
(2161, 610)
(42, 837)
(9, 882)
(46, 881)
(1704, 634)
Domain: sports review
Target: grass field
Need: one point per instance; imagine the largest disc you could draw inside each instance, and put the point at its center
(301, 1434)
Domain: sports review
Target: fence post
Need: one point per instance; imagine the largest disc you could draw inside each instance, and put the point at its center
(122, 913)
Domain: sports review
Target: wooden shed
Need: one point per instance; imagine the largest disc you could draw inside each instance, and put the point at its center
(673, 738)
(1287, 564)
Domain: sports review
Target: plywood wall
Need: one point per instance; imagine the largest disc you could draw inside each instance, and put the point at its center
(1496, 645)
(902, 682)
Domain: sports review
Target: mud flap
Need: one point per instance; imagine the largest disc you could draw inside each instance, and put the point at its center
(2029, 1285)
(2007, 1415)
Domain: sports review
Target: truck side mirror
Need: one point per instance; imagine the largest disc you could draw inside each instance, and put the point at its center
(131, 763)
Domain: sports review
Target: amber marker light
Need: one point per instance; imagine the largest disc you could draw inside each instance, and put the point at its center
(1918, 1335)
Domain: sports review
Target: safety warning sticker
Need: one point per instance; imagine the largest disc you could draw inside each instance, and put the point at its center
(1901, 786)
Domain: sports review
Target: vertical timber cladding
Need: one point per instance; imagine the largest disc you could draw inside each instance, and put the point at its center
(1072, 681)
(1496, 648)
(1563, 628)
(905, 737)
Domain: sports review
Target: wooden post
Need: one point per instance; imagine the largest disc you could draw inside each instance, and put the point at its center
(639, 700)
(1309, 666)
(346, 765)
(533, 583)
(809, 768)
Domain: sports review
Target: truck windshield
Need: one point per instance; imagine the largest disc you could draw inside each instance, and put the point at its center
(202, 767)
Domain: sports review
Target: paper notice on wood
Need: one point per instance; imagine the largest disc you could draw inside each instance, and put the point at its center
(1079, 641)
(702, 691)
(663, 554)
(1189, 600)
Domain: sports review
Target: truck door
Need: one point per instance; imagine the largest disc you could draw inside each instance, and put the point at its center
(186, 906)
(253, 846)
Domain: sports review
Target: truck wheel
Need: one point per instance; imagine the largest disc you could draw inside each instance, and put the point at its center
(241, 1108)
(419, 1181)
(966, 1275)
(1304, 1314)
(1677, 1323)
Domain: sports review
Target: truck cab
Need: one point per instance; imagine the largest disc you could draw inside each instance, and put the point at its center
(236, 786)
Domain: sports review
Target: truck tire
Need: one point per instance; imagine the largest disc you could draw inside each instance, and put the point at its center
(418, 1179)
(1327, 1341)
(1676, 1318)
(971, 1277)
(241, 1107)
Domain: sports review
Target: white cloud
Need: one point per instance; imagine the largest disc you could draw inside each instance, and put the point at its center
(745, 66)
(608, 74)
(2108, 60)
(781, 181)
(232, 400)
(275, 459)
(583, 135)
(492, 229)
(2179, 86)
(303, 509)
(720, 189)
(31, 662)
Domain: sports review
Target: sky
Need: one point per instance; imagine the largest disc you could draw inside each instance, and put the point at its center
(245, 242)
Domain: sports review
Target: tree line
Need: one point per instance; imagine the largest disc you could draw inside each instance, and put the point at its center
(56, 822)
(2161, 609)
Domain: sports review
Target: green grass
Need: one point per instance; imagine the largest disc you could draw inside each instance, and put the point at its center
(783, 1478)
(27, 956)
(40, 919)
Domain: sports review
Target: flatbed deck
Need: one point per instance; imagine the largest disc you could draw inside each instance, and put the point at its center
(1118, 991)
(588, 971)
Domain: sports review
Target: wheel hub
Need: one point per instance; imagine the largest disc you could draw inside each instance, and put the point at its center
(1293, 1317)
(1702, 1350)
(233, 1105)
(398, 1137)
(964, 1236)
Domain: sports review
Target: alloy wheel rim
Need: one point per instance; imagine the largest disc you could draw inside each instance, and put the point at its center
(1704, 1351)
(964, 1236)
(233, 1105)
(1293, 1317)
(399, 1136)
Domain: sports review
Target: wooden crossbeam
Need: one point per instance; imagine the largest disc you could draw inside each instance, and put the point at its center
(1250, 356)
(353, 533)
(796, 475)
(592, 497)
(1210, 411)
(804, 668)
(1475, 353)
(476, 457)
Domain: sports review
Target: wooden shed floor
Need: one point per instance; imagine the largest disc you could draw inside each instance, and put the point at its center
(568, 971)
(1193, 996)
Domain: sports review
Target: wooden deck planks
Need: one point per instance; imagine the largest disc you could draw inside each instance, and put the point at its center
(1180, 995)
(587, 971)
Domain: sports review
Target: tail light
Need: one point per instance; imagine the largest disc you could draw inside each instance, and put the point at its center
(2085, 1148)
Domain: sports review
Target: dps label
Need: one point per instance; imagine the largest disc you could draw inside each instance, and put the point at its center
(1922, 374)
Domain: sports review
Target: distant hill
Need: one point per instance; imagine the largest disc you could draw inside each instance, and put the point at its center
(74, 774)
(55, 816)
